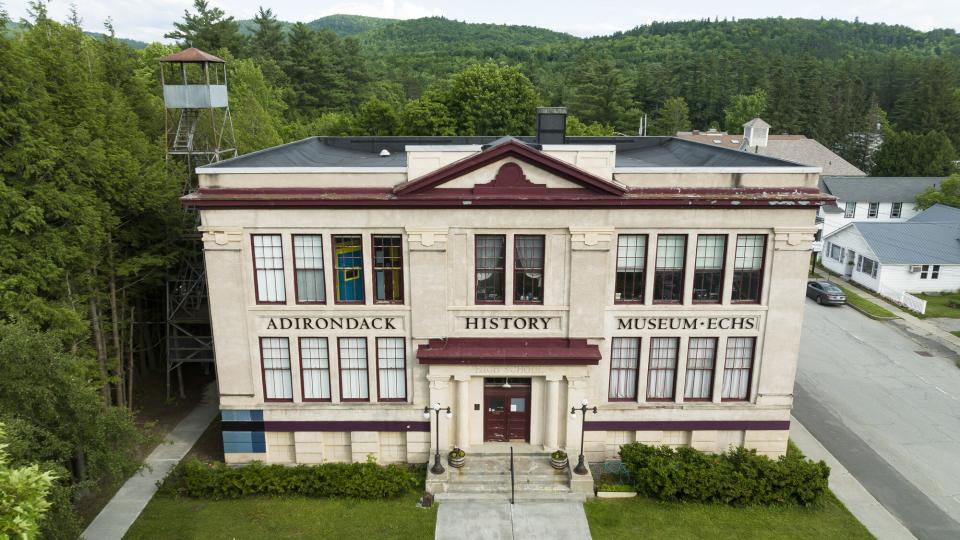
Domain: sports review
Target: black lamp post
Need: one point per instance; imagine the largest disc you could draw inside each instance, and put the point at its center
(581, 468)
(437, 467)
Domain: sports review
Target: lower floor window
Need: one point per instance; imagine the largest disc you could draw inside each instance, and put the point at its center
(624, 364)
(701, 355)
(315, 368)
(738, 368)
(867, 266)
(661, 378)
(391, 369)
(277, 381)
(354, 383)
(933, 271)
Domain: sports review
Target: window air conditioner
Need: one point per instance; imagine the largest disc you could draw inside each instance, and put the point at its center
(914, 268)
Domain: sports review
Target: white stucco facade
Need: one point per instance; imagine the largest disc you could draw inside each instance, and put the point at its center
(439, 302)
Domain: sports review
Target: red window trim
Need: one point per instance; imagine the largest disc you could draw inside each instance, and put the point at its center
(503, 301)
(676, 370)
(543, 270)
(683, 273)
(296, 282)
(256, 282)
(340, 368)
(753, 365)
(713, 379)
(373, 268)
(303, 393)
(363, 275)
(763, 272)
(263, 372)
(723, 268)
(636, 382)
(644, 272)
(406, 393)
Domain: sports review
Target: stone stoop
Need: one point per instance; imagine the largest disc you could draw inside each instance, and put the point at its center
(486, 477)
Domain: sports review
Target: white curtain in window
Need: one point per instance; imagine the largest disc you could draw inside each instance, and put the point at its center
(624, 362)
(353, 368)
(268, 262)
(315, 362)
(701, 354)
(663, 368)
(737, 367)
(276, 368)
(308, 259)
(391, 360)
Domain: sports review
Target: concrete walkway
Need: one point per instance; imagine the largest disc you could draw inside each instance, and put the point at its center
(877, 519)
(463, 520)
(124, 508)
(925, 329)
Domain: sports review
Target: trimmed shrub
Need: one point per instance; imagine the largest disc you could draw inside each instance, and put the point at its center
(216, 481)
(739, 477)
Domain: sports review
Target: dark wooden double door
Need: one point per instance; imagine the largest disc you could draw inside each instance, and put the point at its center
(506, 406)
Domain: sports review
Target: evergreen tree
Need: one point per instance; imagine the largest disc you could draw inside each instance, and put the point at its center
(268, 39)
(673, 116)
(909, 154)
(601, 92)
(209, 29)
(932, 102)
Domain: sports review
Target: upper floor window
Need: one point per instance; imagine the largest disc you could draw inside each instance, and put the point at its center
(348, 269)
(932, 270)
(624, 367)
(268, 265)
(661, 377)
(738, 368)
(874, 210)
(631, 258)
(391, 369)
(490, 267)
(388, 269)
(701, 355)
(528, 269)
(895, 209)
(748, 267)
(850, 211)
(668, 274)
(708, 270)
(308, 268)
(275, 358)
(315, 368)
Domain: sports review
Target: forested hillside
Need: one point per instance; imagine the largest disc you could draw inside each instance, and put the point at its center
(89, 207)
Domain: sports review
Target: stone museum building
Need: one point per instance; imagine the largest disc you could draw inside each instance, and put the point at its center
(354, 281)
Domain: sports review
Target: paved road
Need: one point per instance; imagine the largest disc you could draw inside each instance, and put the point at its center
(888, 412)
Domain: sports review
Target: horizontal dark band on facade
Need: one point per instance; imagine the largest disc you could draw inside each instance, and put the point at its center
(689, 425)
(235, 425)
(344, 425)
(512, 351)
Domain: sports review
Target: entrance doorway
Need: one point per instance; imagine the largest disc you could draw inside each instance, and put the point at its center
(506, 406)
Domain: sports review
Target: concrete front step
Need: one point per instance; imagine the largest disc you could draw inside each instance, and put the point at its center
(519, 497)
(501, 478)
(499, 488)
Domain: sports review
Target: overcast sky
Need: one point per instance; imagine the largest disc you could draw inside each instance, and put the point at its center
(148, 20)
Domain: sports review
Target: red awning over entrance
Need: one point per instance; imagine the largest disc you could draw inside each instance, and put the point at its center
(531, 351)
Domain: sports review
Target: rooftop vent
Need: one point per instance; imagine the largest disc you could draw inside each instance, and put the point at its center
(551, 125)
(384, 153)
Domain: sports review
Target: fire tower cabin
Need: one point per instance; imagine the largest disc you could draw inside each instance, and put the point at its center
(355, 281)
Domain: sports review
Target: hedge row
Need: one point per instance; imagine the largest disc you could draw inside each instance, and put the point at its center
(739, 477)
(202, 480)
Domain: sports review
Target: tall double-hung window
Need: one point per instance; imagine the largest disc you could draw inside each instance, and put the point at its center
(348, 269)
(662, 373)
(708, 270)
(391, 369)
(738, 368)
(354, 383)
(315, 368)
(631, 259)
(748, 268)
(624, 367)
(388, 269)
(490, 256)
(308, 268)
(275, 358)
(668, 274)
(528, 269)
(701, 356)
(268, 267)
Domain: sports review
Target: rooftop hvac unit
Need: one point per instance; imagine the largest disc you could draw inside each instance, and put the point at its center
(914, 268)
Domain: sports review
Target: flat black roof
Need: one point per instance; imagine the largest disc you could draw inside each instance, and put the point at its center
(365, 152)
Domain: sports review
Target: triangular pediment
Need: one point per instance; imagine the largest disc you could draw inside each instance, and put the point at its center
(507, 168)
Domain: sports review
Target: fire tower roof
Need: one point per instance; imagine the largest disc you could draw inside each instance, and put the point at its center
(192, 55)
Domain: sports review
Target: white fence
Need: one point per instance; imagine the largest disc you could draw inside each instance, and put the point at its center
(904, 299)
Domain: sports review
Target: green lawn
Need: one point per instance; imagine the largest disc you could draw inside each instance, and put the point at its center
(647, 518)
(263, 517)
(863, 304)
(937, 305)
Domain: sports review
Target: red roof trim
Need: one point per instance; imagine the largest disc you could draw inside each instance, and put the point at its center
(514, 149)
(529, 351)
